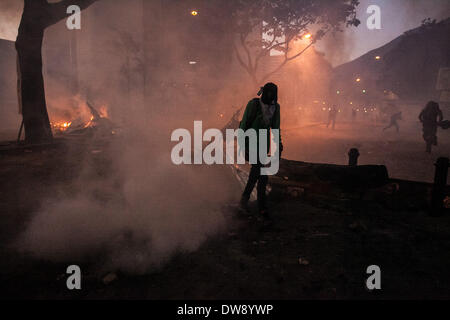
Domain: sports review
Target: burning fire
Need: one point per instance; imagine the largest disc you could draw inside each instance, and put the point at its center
(61, 126)
(80, 117)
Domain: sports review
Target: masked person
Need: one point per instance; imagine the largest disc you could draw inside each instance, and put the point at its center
(260, 113)
(430, 118)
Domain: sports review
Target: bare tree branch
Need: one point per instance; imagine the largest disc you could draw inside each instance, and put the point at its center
(286, 60)
(247, 51)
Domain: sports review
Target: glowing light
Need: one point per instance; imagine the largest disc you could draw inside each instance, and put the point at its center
(358, 80)
(307, 36)
(338, 92)
(194, 13)
(364, 91)
(192, 62)
(61, 126)
(377, 58)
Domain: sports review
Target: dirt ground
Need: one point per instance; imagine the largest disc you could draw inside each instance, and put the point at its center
(309, 250)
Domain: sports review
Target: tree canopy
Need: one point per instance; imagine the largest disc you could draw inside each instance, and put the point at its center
(283, 22)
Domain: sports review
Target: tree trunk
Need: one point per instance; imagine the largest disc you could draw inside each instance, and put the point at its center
(37, 16)
(32, 94)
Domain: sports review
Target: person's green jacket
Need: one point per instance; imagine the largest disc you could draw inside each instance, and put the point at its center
(253, 119)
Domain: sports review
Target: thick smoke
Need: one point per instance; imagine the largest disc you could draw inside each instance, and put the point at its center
(140, 209)
(133, 217)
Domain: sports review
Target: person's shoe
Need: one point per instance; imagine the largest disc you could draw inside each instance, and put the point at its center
(243, 205)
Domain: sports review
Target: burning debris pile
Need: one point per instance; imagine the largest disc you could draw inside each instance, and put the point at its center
(97, 122)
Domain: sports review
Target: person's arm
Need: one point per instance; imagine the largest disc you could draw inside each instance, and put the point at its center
(440, 116)
(244, 125)
(421, 115)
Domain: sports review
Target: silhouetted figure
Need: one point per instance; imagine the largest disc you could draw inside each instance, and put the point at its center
(394, 118)
(263, 113)
(332, 114)
(430, 118)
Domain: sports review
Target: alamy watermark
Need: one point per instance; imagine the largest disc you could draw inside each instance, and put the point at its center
(74, 21)
(374, 281)
(262, 148)
(74, 280)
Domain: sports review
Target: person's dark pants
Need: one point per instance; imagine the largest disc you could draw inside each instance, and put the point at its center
(393, 124)
(430, 136)
(254, 177)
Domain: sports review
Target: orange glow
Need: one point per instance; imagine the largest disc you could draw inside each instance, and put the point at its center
(194, 13)
(358, 80)
(307, 36)
(377, 58)
(61, 126)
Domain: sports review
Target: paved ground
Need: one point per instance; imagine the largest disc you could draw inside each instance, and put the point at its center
(403, 153)
(336, 239)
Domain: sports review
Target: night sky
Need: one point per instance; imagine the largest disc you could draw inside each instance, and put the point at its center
(397, 17)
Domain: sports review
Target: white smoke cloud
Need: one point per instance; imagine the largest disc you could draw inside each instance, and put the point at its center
(133, 216)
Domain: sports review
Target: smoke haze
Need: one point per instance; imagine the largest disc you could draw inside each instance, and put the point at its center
(130, 208)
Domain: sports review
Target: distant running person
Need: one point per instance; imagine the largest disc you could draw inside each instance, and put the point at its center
(394, 118)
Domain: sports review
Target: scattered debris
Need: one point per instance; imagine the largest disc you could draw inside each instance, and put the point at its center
(295, 192)
(61, 276)
(447, 202)
(358, 225)
(109, 278)
(320, 235)
(303, 262)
